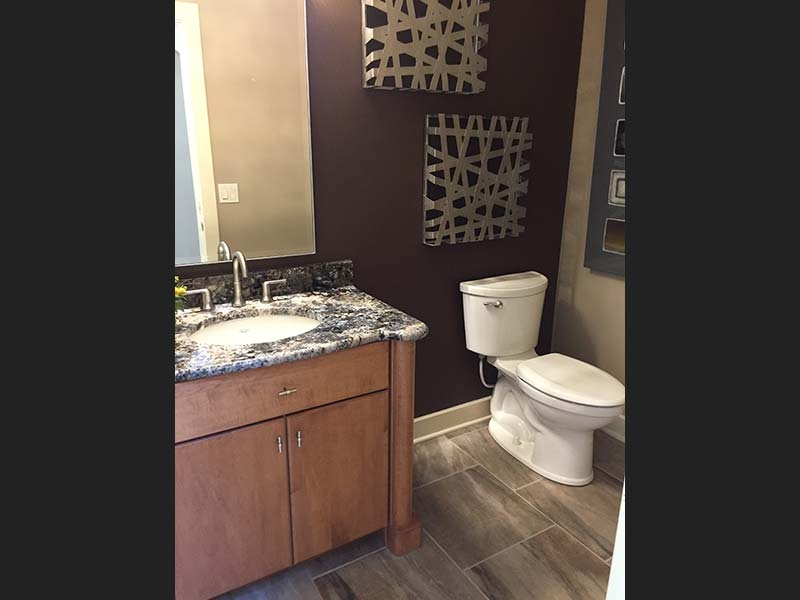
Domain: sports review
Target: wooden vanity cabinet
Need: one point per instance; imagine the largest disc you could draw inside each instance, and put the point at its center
(231, 510)
(247, 506)
(339, 473)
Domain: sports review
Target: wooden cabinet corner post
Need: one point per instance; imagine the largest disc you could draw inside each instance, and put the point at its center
(404, 532)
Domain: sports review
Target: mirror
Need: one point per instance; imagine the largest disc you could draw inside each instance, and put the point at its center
(242, 130)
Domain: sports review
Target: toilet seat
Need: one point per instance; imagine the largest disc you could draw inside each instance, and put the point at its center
(561, 378)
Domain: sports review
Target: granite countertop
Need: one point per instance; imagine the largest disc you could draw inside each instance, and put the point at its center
(348, 318)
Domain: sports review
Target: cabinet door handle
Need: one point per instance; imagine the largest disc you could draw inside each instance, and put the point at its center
(287, 391)
(280, 445)
(299, 439)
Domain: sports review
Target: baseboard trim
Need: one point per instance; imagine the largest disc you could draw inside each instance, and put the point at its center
(477, 411)
(616, 429)
(450, 419)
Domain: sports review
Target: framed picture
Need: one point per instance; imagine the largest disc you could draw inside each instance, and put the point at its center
(614, 236)
(616, 188)
(619, 138)
(605, 232)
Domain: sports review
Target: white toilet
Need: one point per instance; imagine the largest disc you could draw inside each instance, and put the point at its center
(544, 408)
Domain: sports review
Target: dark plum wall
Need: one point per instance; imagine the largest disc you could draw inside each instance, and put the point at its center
(368, 159)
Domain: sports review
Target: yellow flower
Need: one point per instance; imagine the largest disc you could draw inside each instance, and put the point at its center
(180, 290)
(176, 279)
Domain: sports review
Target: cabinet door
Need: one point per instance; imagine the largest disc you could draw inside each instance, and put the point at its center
(339, 472)
(231, 510)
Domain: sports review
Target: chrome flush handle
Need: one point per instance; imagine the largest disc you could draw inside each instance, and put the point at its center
(287, 391)
(495, 304)
(280, 445)
(299, 439)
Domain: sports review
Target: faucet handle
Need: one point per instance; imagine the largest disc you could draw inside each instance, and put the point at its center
(207, 305)
(266, 292)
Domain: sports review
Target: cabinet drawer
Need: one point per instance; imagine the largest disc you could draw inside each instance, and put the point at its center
(213, 404)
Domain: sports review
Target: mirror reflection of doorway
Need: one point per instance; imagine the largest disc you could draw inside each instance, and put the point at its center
(187, 228)
(196, 221)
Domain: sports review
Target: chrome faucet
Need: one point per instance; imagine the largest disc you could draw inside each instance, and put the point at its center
(239, 261)
(223, 251)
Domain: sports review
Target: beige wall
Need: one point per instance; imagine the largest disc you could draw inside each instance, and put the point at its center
(254, 56)
(590, 306)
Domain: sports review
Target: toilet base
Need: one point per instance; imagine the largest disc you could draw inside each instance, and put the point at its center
(522, 450)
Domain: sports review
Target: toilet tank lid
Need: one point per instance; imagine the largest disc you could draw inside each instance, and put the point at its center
(514, 285)
(572, 380)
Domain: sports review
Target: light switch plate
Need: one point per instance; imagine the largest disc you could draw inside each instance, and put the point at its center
(228, 193)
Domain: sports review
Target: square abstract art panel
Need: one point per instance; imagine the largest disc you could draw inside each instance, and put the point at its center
(475, 177)
(430, 45)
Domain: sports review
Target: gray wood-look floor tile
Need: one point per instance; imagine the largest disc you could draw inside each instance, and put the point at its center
(349, 552)
(472, 515)
(609, 454)
(481, 446)
(436, 458)
(551, 566)
(292, 584)
(467, 429)
(297, 583)
(589, 512)
(424, 573)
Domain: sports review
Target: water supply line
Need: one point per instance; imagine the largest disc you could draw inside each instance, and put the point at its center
(480, 370)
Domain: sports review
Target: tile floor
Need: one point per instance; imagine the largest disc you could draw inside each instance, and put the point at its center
(493, 530)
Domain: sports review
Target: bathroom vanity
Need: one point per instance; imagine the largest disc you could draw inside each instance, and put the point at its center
(287, 449)
(293, 414)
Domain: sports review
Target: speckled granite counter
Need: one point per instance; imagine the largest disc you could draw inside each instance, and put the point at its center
(348, 318)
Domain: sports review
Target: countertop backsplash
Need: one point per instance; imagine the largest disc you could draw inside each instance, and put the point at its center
(307, 278)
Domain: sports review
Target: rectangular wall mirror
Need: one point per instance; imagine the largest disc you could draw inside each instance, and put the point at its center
(243, 178)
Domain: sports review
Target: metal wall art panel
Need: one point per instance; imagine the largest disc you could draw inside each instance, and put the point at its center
(475, 177)
(430, 45)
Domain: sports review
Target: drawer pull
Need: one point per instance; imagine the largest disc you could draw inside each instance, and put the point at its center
(299, 439)
(280, 445)
(287, 392)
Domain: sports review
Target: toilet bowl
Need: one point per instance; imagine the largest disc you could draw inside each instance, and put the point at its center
(545, 408)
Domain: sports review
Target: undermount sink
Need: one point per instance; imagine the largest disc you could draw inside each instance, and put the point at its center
(254, 330)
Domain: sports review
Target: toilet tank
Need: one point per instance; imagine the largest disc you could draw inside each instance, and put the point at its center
(502, 314)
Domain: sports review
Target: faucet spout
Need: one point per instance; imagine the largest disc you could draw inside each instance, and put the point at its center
(239, 262)
(223, 251)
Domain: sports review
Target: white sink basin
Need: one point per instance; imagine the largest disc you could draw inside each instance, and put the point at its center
(253, 330)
